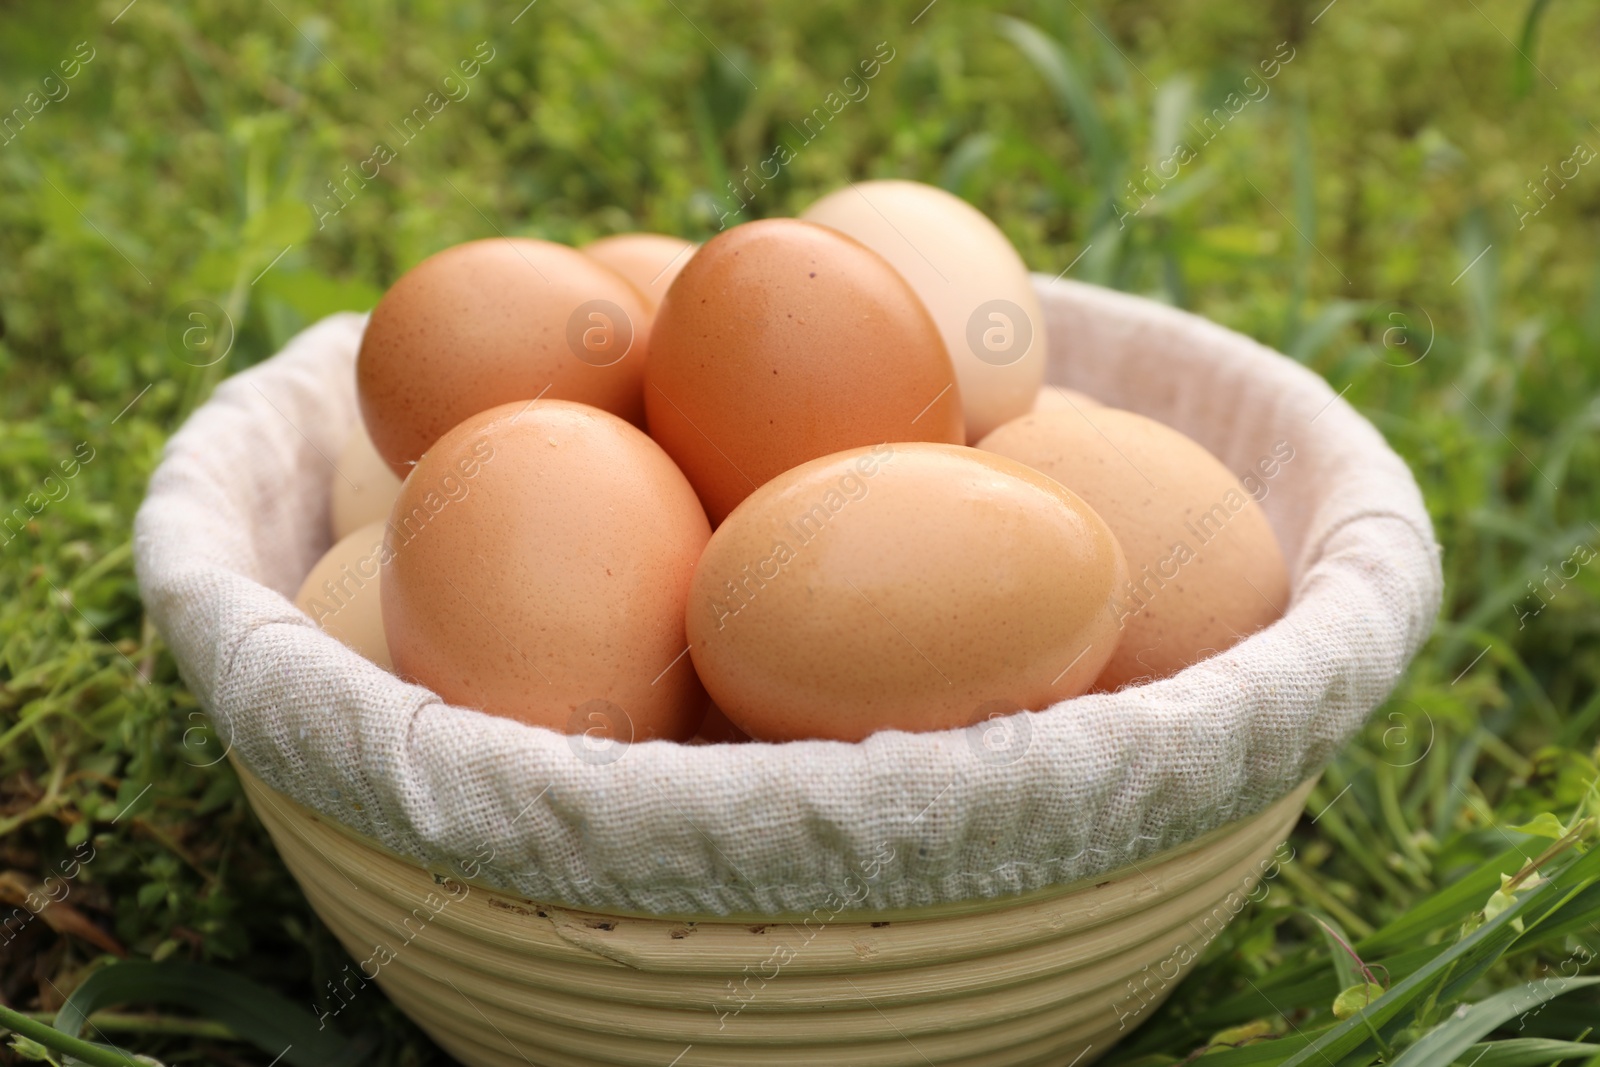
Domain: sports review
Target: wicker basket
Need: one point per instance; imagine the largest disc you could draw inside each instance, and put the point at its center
(1053, 902)
(1054, 977)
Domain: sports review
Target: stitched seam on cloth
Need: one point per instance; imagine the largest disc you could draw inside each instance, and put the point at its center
(226, 675)
(1421, 627)
(1424, 540)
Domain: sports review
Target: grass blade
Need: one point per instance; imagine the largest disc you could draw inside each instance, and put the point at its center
(1324, 327)
(1527, 1052)
(272, 1023)
(1060, 72)
(1446, 907)
(1522, 80)
(85, 1052)
(1457, 1034)
(1344, 967)
(1452, 970)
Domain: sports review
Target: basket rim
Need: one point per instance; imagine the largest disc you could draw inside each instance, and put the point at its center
(290, 810)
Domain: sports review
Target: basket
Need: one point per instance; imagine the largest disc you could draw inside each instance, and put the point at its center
(1054, 977)
(723, 905)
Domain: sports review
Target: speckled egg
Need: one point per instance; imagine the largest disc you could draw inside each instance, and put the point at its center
(781, 342)
(905, 587)
(1204, 569)
(539, 560)
(488, 322)
(970, 277)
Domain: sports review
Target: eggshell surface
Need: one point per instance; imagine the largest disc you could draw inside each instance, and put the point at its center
(539, 560)
(1204, 569)
(718, 729)
(341, 593)
(902, 586)
(488, 322)
(650, 261)
(968, 275)
(781, 342)
(363, 487)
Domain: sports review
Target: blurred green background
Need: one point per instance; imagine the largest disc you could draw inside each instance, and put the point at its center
(1409, 206)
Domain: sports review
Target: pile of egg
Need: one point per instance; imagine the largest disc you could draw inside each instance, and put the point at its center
(803, 481)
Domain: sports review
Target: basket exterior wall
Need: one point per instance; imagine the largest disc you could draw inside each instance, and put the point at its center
(500, 980)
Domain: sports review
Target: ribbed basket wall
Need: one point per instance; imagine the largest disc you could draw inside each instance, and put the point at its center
(1051, 978)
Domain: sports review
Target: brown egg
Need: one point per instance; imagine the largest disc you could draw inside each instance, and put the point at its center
(1060, 398)
(489, 322)
(341, 593)
(718, 729)
(364, 487)
(539, 564)
(969, 276)
(649, 260)
(1204, 568)
(904, 587)
(781, 342)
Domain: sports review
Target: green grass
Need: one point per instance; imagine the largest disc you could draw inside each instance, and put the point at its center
(1335, 217)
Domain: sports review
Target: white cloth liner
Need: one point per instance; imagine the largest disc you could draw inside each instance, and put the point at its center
(237, 513)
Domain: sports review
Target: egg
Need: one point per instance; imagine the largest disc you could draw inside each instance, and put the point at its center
(902, 586)
(364, 487)
(781, 342)
(971, 279)
(648, 260)
(1204, 567)
(718, 729)
(341, 594)
(488, 322)
(1060, 398)
(538, 568)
